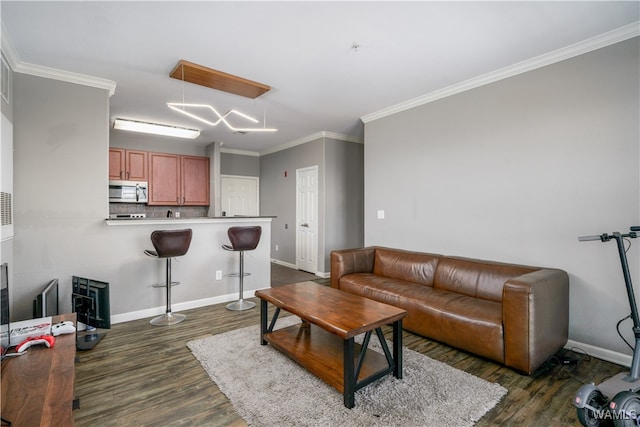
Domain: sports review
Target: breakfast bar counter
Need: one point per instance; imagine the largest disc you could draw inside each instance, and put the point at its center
(186, 221)
(204, 272)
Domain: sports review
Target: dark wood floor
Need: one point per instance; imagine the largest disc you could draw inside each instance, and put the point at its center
(142, 375)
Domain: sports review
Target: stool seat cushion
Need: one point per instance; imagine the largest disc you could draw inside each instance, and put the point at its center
(170, 243)
(244, 238)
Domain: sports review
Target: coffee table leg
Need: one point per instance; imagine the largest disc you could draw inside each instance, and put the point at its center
(397, 348)
(263, 321)
(349, 374)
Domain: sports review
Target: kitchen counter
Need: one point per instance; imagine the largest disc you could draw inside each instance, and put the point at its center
(204, 271)
(185, 221)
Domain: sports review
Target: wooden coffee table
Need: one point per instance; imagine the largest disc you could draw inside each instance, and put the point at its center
(324, 342)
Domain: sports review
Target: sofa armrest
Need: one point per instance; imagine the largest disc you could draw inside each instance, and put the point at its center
(535, 315)
(347, 261)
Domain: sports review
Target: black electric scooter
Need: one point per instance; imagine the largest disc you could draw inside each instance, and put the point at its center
(617, 399)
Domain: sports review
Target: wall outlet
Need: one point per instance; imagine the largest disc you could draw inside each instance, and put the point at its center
(276, 248)
(380, 214)
(219, 275)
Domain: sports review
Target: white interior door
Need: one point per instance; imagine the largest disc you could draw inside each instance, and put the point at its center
(239, 195)
(307, 219)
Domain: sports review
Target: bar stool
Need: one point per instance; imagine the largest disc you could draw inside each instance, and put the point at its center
(168, 244)
(242, 239)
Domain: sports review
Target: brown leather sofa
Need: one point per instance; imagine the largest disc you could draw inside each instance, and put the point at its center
(516, 315)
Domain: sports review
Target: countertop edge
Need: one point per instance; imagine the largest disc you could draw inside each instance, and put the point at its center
(181, 221)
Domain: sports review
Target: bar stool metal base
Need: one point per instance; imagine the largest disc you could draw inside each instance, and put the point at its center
(167, 319)
(240, 305)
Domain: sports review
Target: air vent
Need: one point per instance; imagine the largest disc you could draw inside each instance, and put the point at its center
(5, 209)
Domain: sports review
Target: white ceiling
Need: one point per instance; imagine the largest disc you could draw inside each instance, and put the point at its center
(303, 50)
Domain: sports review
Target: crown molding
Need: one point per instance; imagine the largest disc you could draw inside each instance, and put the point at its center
(312, 137)
(65, 76)
(239, 152)
(615, 36)
(50, 73)
(342, 137)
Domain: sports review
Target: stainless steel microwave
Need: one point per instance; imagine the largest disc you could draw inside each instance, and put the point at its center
(128, 192)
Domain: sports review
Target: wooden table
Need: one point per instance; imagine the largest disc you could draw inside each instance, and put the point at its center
(324, 342)
(38, 387)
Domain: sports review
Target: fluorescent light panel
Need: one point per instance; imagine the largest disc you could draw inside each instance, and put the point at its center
(155, 128)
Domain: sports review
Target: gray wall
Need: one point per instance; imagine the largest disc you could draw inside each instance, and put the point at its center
(344, 199)
(515, 171)
(340, 196)
(238, 164)
(61, 140)
(278, 194)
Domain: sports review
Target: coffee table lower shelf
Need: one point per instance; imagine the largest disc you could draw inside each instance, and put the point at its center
(322, 354)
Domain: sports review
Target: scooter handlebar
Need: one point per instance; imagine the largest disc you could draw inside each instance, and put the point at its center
(606, 237)
(589, 238)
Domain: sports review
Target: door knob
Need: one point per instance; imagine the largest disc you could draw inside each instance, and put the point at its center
(304, 225)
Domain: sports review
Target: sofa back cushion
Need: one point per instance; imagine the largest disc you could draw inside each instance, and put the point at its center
(415, 267)
(476, 278)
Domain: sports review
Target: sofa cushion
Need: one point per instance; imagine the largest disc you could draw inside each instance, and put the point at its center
(405, 265)
(469, 323)
(384, 289)
(472, 324)
(476, 278)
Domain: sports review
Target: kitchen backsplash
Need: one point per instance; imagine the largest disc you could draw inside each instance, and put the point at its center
(158, 211)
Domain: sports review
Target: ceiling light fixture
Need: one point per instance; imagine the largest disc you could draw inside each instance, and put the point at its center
(198, 74)
(180, 107)
(155, 128)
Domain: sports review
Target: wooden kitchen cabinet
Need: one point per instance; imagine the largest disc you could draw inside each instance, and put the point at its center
(176, 180)
(130, 165)
(164, 179)
(195, 180)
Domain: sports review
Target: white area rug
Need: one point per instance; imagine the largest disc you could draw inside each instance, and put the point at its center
(268, 389)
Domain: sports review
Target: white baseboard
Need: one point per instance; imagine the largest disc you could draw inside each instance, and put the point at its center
(286, 264)
(320, 274)
(600, 353)
(156, 311)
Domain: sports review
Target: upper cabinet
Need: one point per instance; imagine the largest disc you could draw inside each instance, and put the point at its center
(164, 179)
(130, 165)
(176, 180)
(195, 180)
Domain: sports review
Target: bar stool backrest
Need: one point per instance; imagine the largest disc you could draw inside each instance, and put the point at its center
(244, 238)
(171, 243)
